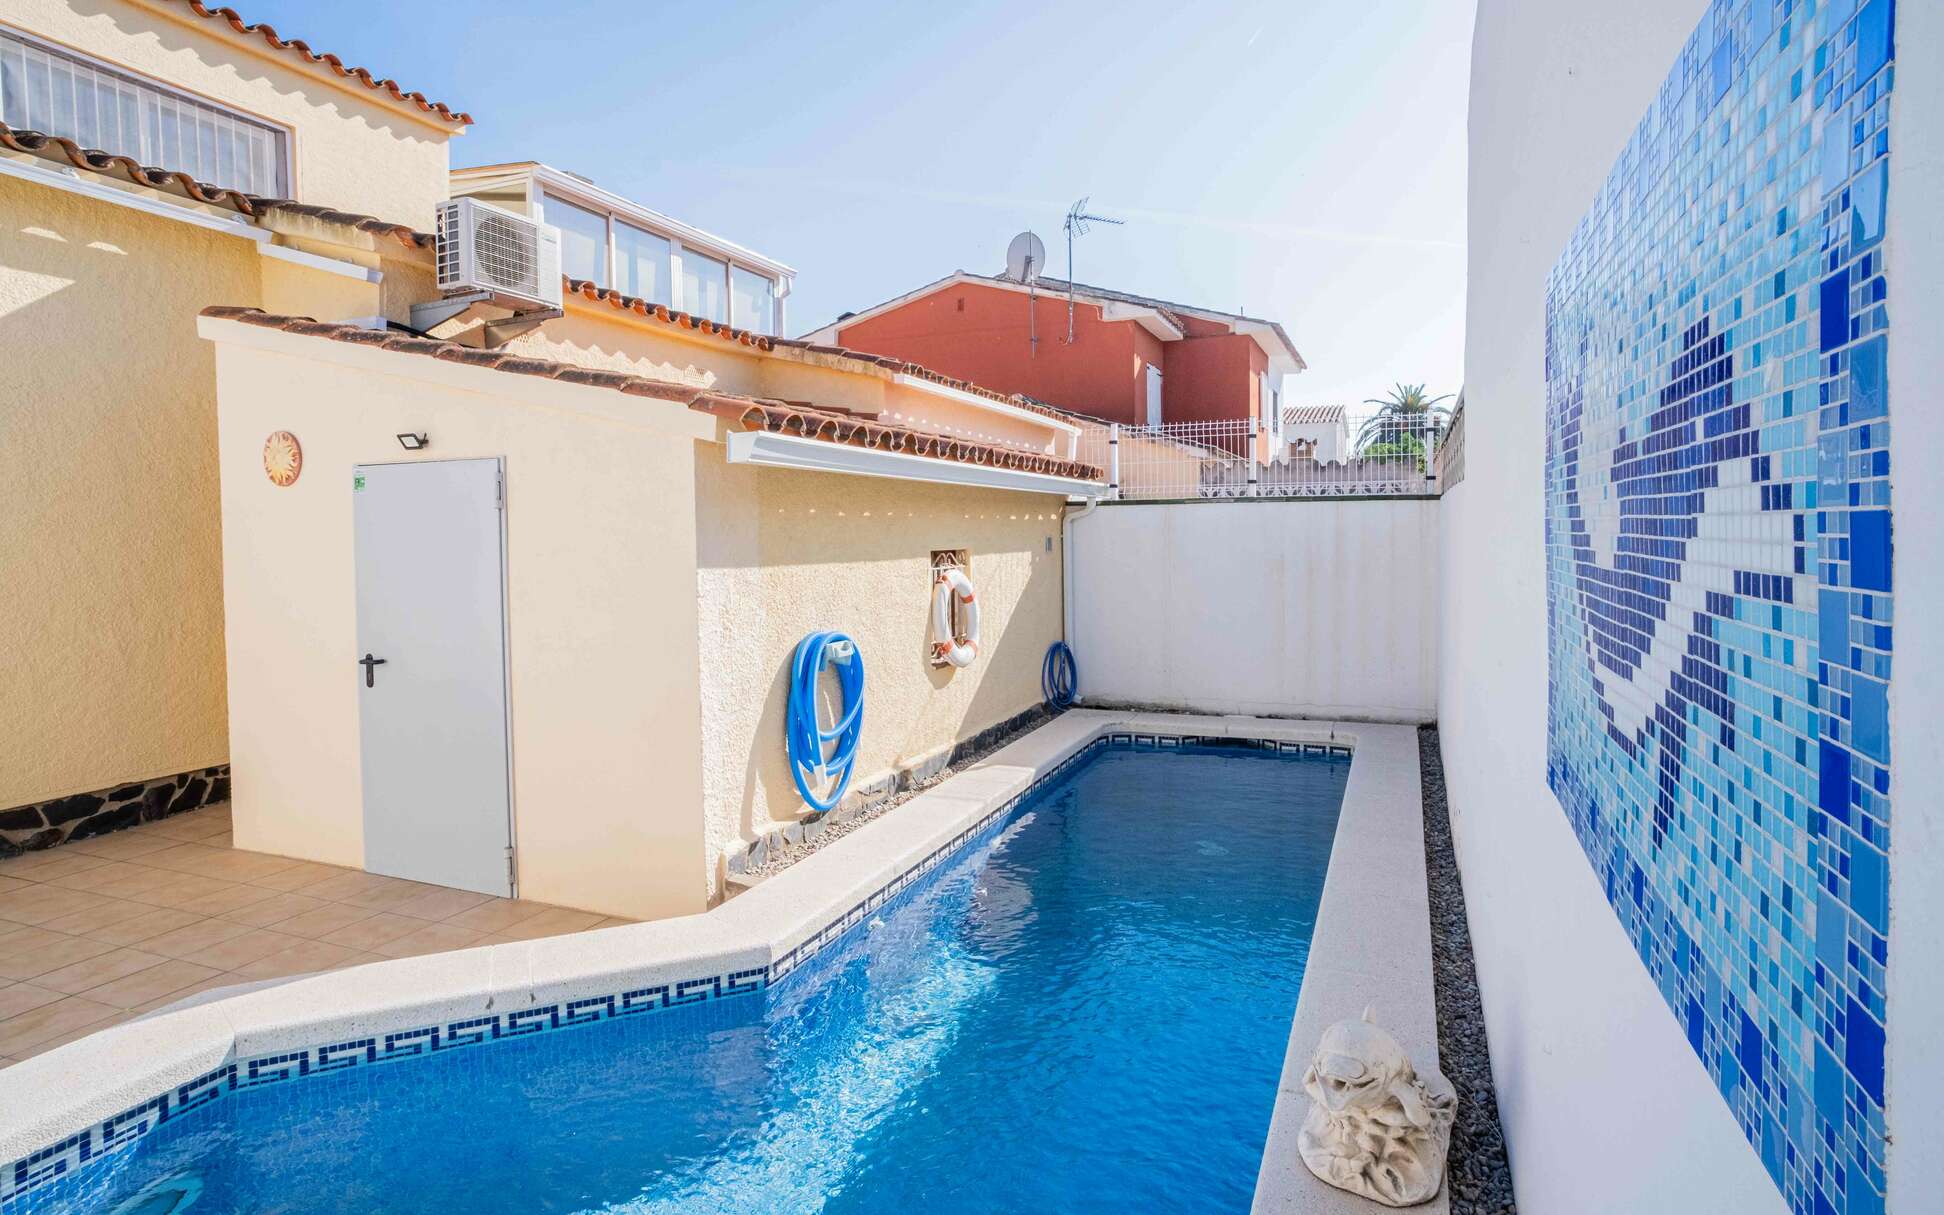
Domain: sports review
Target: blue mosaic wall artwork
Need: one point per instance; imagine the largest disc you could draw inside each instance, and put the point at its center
(1718, 544)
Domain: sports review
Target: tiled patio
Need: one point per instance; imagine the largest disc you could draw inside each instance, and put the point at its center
(99, 931)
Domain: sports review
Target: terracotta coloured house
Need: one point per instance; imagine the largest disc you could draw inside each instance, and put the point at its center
(1132, 359)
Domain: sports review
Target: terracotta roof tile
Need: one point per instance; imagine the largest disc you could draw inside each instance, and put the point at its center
(299, 47)
(781, 417)
(123, 168)
(661, 312)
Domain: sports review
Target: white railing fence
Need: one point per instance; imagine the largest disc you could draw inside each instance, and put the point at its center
(1238, 458)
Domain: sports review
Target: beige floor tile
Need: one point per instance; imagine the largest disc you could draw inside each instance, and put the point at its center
(187, 827)
(374, 930)
(340, 884)
(306, 957)
(181, 994)
(161, 981)
(241, 950)
(84, 923)
(40, 904)
(20, 1035)
(19, 938)
(78, 977)
(195, 937)
(126, 879)
(430, 938)
(324, 920)
(103, 878)
(185, 889)
(551, 923)
(40, 866)
(122, 845)
(7, 884)
(32, 963)
(17, 998)
(75, 1035)
(222, 902)
(390, 898)
(188, 858)
(613, 921)
(299, 876)
(441, 904)
(266, 911)
(249, 866)
(498, 915)
(153, 922)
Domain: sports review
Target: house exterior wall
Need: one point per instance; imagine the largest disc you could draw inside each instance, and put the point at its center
(655, 595)
(352, 148)
(782, 553)
(109, 426)
(1576, 1019)
(114, 629)
(1213, 377)
(601, 610)
(987, 341)
(1311, 608)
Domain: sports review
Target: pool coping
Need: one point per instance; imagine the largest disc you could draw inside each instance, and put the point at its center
(70, 1107)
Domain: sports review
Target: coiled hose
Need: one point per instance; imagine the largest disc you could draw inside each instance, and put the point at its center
(812, 754)
(1059, 676)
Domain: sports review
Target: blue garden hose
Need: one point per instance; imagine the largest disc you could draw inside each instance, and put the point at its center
(1059, 676)
(812, 755)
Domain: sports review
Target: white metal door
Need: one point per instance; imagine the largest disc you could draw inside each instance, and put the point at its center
(431, 672)
(1153, 395)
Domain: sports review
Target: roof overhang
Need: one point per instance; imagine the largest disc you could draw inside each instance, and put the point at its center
(774, 450)
(973, 400)
(1150, 319)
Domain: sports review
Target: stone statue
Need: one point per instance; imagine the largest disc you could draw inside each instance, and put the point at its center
(1375, 1126)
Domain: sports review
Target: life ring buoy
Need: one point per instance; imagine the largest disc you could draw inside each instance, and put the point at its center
(959, 651)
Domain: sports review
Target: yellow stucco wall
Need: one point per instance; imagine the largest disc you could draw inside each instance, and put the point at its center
(113, 626)
(783, 553)
(352, 148)
(107, 450)
(601, 613)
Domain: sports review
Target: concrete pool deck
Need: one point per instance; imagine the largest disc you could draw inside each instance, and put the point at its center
(77, 1104)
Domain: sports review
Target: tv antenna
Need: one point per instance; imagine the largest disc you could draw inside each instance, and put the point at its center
(1077, 219)
(1025, 257)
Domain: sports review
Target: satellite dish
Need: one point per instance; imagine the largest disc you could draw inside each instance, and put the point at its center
(1025, 258)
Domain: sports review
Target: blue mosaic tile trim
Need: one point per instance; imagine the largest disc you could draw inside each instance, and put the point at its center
(96, 1143)
(1718, 555)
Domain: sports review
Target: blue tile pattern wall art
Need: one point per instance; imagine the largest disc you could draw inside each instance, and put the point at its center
(1719, 557)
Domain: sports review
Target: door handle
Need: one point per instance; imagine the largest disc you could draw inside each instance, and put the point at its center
(370, 665)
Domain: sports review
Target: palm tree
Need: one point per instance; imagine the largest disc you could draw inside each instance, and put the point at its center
(1402, 420)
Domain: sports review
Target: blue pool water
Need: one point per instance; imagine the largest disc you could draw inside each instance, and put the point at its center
(1084, 1011)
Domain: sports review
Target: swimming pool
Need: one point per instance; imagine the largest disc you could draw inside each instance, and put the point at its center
(1084, 1009)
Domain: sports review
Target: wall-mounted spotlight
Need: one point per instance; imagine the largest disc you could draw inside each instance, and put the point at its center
(412, 442)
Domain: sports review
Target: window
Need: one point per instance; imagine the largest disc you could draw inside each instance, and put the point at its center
(57, 93)
(752, 300)
(641, 263)
(583, 241)
(704, 282)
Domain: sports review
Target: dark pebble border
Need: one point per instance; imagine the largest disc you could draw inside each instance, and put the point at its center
(1477, 1173)
(81, 816)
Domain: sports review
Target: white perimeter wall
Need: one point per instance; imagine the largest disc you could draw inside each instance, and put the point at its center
(1307, 608)
(1605, 1107)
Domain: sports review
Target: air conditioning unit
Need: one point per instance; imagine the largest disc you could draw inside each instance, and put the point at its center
(483, 248)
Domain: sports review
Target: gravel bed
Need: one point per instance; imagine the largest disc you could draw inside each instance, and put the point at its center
(833, 828)
(1478, 1174)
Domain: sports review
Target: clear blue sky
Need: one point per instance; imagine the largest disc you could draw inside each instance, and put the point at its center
(1300, 159)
